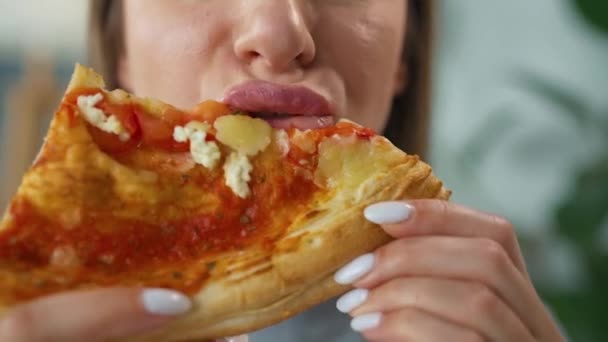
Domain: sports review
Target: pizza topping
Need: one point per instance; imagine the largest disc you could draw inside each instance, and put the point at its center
(237, 172)
(107, 258)
(203, 152)
(97, 118)
(304, 141)
(65, 257)
(349, 167)
(282, 140)
(156, 132)
(182, 134)
(346, 127)
(201, 130)
(245, 134)
(71, 217)
(210, 110)
(245, 219)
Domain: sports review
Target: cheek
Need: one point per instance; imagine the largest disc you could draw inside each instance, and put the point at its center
(365, 50)
(167, 54)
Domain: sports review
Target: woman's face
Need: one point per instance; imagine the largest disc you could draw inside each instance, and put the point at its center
(346, 51)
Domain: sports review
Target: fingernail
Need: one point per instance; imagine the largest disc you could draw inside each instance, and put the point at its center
(355, 269)
(366, 322)
(242, 338)
(351, 300)
(388, 212)
(165, 302)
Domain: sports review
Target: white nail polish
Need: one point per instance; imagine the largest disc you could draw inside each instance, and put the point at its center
(355, 269)
(388, 212)
(165, 302)
(242, 338)
(351, 300)
(366, 322)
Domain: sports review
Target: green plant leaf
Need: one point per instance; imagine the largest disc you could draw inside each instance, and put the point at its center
(595, 13)
(603, 121)
(580, 216)
(581, 315)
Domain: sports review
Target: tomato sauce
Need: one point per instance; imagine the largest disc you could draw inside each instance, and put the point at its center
(146, 130)
(132, 252)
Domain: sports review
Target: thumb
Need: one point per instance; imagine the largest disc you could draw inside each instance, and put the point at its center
(104, 314)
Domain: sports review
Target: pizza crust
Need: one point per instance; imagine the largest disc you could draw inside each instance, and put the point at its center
(253, 289)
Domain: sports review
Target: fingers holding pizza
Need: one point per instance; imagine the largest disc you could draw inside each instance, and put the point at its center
(95, 315)
(451, 271)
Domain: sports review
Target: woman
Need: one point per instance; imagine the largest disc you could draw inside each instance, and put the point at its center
(451, 274)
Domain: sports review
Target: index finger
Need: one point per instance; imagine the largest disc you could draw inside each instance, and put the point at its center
(438, 217)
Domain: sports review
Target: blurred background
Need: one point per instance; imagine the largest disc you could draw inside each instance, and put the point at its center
(520, 125)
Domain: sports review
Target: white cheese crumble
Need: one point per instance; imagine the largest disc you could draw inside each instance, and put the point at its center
(282, 141)
(203, 152)
(97, 118)
(65, 257)
(237, 172)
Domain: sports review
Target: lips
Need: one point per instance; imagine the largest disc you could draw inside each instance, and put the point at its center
(282, 106)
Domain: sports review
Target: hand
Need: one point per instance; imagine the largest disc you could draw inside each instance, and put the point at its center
(96, 315)
(451, 274)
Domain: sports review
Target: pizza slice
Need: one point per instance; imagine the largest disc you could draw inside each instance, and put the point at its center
(249, 220)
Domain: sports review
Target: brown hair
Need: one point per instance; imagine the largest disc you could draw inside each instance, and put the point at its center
(408, 125)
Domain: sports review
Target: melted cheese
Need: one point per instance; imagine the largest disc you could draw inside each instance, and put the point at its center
(237, 172)
(65, 257)
(302, 140)
(244, 134)
(205, 153)
(97, 118)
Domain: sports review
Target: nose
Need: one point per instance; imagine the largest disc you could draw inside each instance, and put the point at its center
(275, 32)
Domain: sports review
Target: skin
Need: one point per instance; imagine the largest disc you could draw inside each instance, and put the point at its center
(452, 273)
(213, 45)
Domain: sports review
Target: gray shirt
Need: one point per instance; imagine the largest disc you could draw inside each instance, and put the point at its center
(322, 323)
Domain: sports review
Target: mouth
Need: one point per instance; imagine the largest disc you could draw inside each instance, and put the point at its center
(282, 106)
